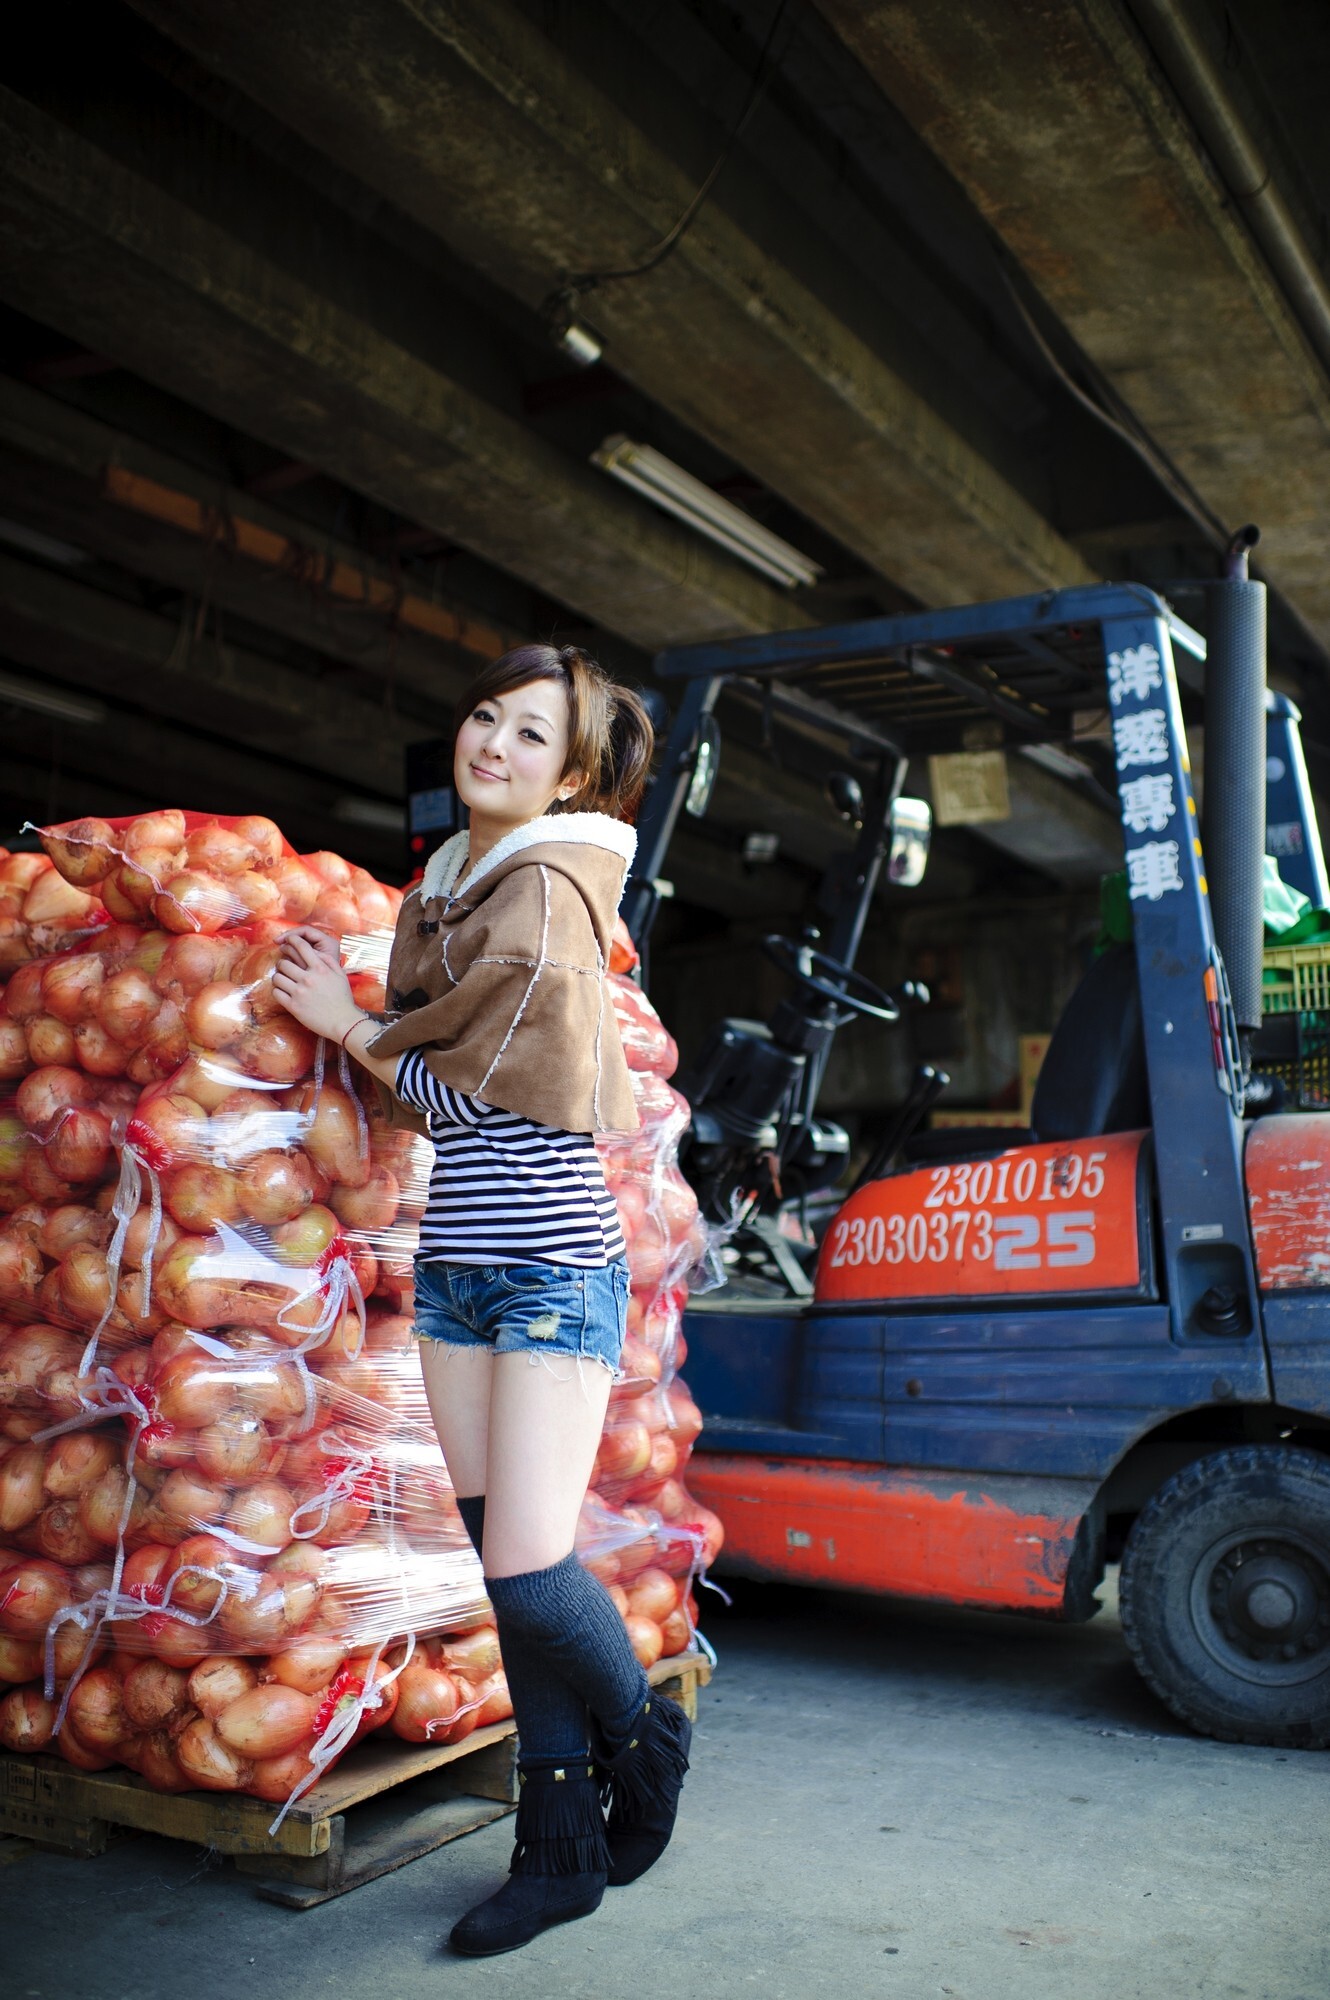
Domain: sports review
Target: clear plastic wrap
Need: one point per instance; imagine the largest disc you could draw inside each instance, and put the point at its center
(228, 1543)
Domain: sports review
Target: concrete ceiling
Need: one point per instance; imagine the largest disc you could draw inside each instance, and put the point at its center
(308, 249)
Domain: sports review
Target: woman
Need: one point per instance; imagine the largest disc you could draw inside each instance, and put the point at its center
(500, 1033)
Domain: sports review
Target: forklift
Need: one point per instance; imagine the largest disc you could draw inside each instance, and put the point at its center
(1007, 1358)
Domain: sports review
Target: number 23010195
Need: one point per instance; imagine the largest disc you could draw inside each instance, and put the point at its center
(1019, 1222)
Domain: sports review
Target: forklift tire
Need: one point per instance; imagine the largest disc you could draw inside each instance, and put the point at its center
(1225, 1596)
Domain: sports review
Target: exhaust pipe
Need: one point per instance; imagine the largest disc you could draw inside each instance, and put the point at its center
(1233, 826)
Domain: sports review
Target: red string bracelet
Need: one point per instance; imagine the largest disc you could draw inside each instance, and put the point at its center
(351, 1030)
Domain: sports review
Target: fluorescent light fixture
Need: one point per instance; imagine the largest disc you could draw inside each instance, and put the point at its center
(378, 813)
(669, 486)
(1054, 758)
(50, 701)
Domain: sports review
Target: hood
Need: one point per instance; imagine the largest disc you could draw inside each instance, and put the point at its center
(591, 849)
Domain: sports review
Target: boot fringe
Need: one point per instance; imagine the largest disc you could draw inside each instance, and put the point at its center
(559, 1828)
(648, 1773)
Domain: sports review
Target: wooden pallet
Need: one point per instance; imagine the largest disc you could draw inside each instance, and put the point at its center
(386, 1803)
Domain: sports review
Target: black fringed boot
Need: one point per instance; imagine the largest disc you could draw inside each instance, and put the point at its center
(558, 1867)
(642, 1782)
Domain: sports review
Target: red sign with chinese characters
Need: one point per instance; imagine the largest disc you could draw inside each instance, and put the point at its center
(1048, 1218)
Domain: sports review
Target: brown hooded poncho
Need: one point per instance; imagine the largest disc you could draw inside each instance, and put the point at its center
(499, 979)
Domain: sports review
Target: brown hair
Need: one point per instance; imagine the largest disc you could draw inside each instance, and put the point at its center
(610, 737)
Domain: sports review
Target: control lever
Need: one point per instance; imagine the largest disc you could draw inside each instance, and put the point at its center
(926, 1086)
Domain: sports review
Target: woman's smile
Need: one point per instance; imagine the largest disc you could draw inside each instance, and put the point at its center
(492, 777)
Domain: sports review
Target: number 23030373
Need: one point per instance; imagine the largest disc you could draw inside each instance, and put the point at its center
(1041, 1218)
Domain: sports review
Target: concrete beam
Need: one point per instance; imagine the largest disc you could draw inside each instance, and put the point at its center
(1060, 125)
(474, 123)
(117, 262)
(56, 625)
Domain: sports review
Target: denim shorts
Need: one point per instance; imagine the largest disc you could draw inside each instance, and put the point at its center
(536, 1309)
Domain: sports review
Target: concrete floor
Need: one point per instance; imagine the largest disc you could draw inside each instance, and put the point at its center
(886, 1800)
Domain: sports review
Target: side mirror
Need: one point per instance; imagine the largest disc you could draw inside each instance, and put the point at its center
(706, 763)
(911, 830)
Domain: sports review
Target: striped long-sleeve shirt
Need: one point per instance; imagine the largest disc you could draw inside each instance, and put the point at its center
(504, 1190)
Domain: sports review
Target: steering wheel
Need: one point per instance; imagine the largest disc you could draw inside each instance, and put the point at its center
(820, 975)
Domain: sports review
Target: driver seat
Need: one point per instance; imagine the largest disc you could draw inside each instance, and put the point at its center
(1093, 1080)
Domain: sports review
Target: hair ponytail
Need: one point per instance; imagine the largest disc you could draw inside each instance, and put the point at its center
(610, 735)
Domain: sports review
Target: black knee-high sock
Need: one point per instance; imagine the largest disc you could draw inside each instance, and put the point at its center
(551, 1718)
(567, 1620)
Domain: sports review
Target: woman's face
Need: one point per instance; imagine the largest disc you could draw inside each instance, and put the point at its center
(510, 753)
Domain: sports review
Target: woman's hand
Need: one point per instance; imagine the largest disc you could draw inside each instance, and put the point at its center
(310, 983)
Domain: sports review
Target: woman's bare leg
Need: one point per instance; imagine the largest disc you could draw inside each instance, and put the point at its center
(458, 1387)
(545, 1421)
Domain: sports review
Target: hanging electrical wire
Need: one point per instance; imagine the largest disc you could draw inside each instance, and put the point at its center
(559, 309)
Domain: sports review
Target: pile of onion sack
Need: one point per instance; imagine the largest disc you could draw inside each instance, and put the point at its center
(228, 1544)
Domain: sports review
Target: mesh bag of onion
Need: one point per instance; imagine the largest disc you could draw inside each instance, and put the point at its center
(228, 1544)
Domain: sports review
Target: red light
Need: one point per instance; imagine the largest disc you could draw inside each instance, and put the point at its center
(417, 843)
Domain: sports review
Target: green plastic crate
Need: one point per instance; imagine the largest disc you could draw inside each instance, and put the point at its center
(1294, 1042)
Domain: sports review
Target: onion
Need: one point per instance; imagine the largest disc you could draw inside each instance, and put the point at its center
(14, 1058)
(262, 1513)
(162, 828)
(330, 1134)
(99, 1053)
(209, 1762)
(135, 1307)
(199, 1594)
(30, 1595)
(200, 1196)
(22, 1496)
(275, 1778)
(279, 1050)
(53, 900)
(178, 1643)
(82, 851)
(40, 1180)
(645, 1638)
(20, 1269)
(216, 850)
(137, 1235)
(300, 1561)
(158, 1764)
(268, 1721)
(54, 1088)
(187, 1497)
(329, 867)
(218, 1015)
(217, 1682)
(23, 994)
(192, 901)
(155, 1695)
(144, 1571)
(275, 1187)
(261, 1622)
(302, 1242)
(653, 1595)
(78, 1460)
(190, 963)
(427, 1702)
(79, 1149)
(170, 1129)
(237, 1448)
(193, 1388)
(20, 1659)
(472, 1656)
(73, 1222)
(308, 1666)
(132, 887)
(29, 1354)
(101, 1505)
(50, 1041)
(73, 1752)
(85, 1283)
(27, 1720)
(496, 1704)
(71, 986)
(262, 837)
(624, 1452)
(96, 1710)
(676, 1633)
(127, 1006)
(336, 911)
(300, 888)
(371, 1206)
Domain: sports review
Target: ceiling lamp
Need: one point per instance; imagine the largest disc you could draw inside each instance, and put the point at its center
(670, 487)
(50, 701)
